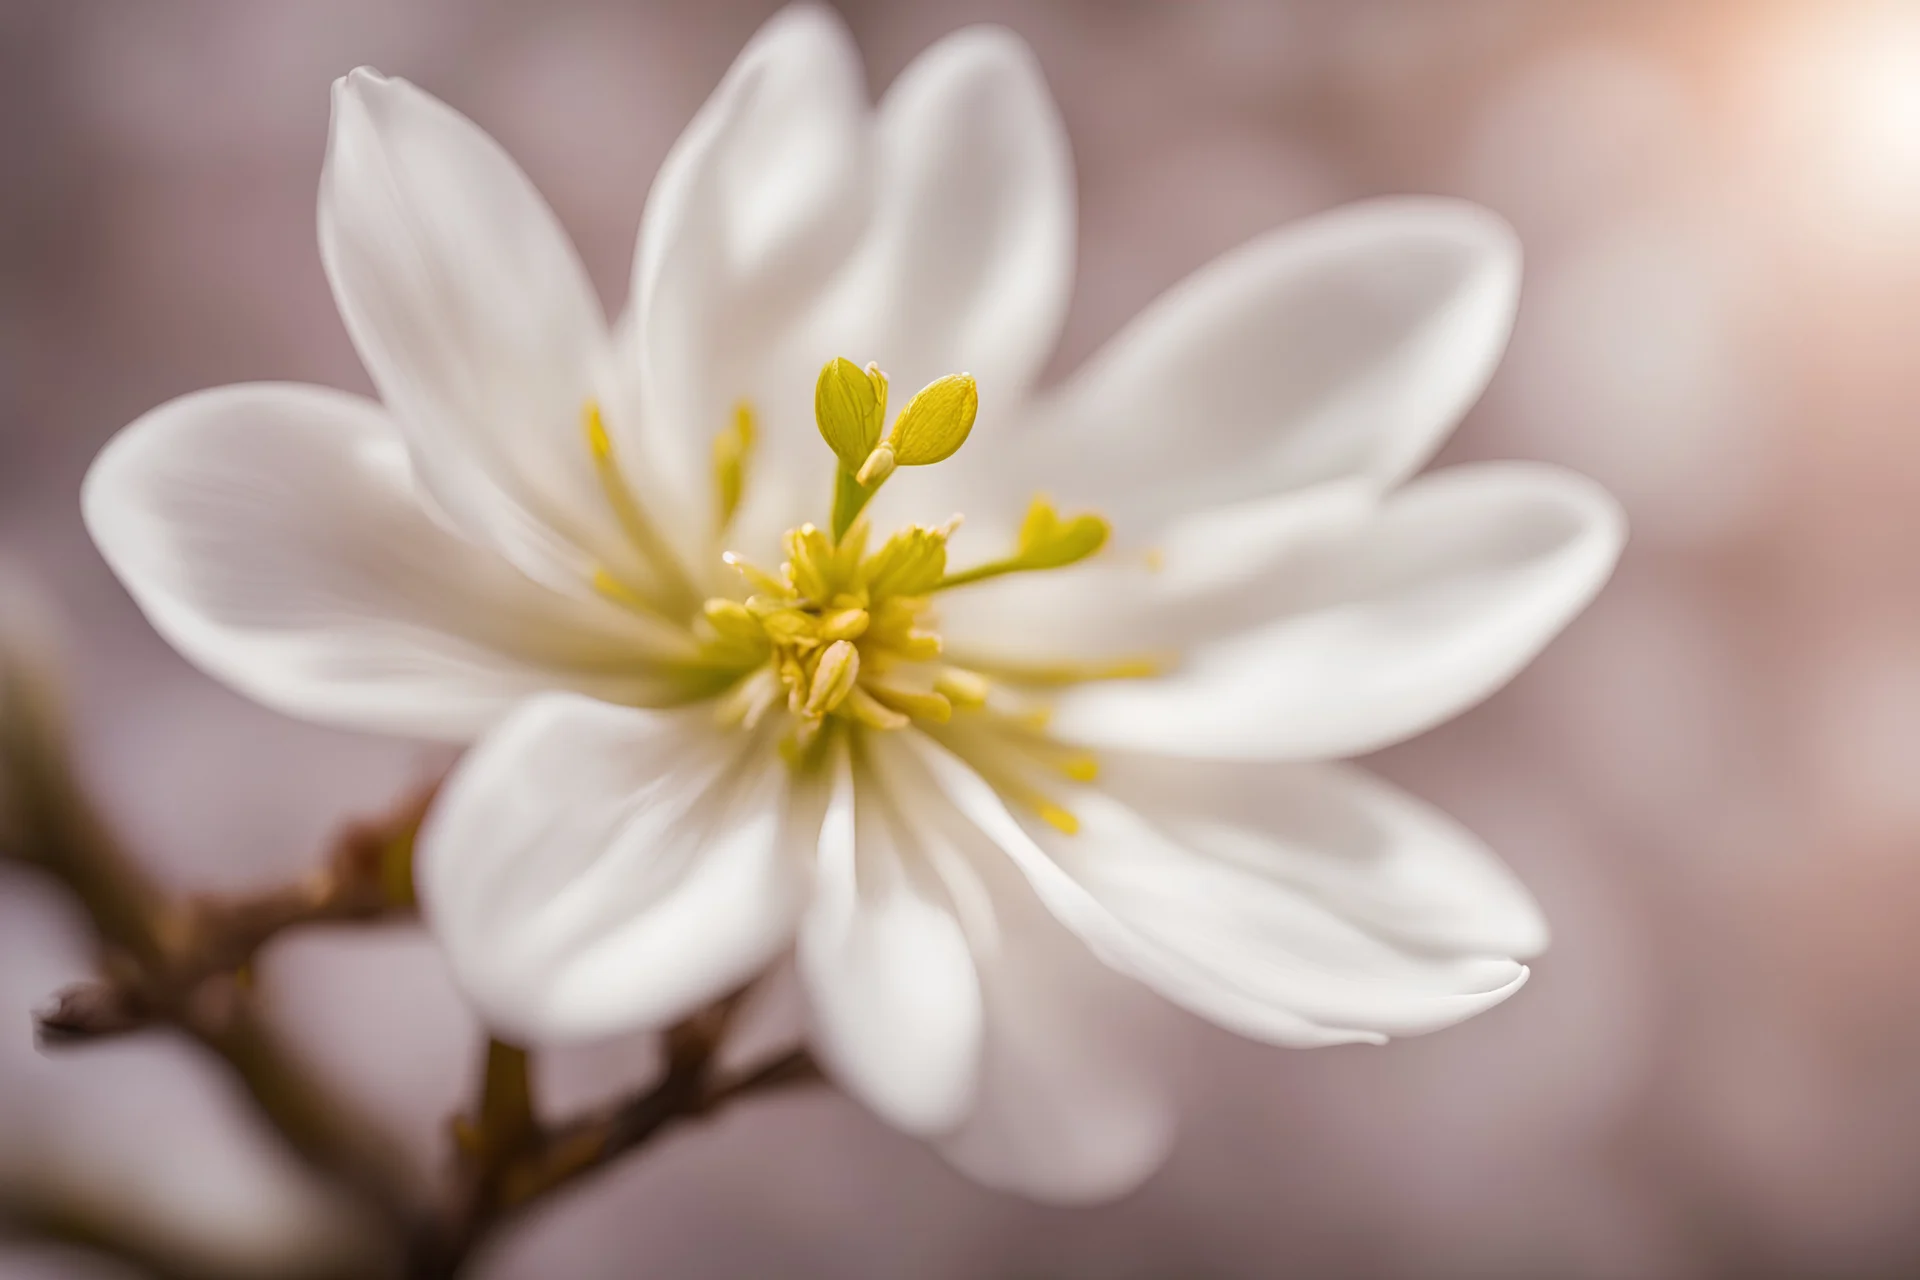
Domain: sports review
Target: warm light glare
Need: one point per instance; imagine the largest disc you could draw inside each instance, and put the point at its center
(1849, 100)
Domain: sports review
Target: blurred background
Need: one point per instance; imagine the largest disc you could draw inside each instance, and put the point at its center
(1712, 781)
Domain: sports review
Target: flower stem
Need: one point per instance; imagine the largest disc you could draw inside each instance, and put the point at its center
(849, 500)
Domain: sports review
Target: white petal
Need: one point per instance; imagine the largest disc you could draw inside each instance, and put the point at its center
(1462, 579)
(968, 265)
(593, 869)
(756, 206)
(1073, 1104)
(472, 313)
(1346, 345)
(271, 532)
(1227, 938)
(890, 981)
(1364, 850)
(1073, 1099)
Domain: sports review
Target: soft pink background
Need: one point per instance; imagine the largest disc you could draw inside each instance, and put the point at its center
(1712, 782)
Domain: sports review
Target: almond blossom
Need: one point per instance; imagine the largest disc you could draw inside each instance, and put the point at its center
(789, 615)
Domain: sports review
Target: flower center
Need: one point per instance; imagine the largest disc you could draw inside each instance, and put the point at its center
(842, 634)
(843, 631)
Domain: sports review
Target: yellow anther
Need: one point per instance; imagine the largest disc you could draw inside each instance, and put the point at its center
(918, 704)
(757, 578)
(936, 421)
(737, 634)
(812, 568)
(791, 627)
(920, 646)
(833, 678)
(868, 710)
(1059, 819)
(961, 687)
(846, 624)
(730, 618)
(1080, 767)
(910, 563)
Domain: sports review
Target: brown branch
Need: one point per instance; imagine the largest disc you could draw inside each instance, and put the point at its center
(88, 1225)
(164, 957)
(513, 1163)
(184, 965)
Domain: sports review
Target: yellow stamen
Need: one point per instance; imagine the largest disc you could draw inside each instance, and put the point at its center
(639, 530)
(757, 578)
(833, 678)
(1064, 673)
(846, 624)
(622, 594)
(870, 711)
(1081, 767)
(963, 688)
(919, 704)
(1059, 819)
(748, 702)
(1046, 542)
(732, 451)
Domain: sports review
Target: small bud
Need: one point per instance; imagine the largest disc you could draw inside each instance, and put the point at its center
(936, 421)
(833, 678)
(849, 406)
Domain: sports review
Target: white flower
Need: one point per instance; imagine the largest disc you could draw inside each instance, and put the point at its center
(1103, 776)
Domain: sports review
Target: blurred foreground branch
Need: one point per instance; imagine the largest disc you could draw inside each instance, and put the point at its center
(183, 965)
(510, 1162)
(206, 944)
(187, 964)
